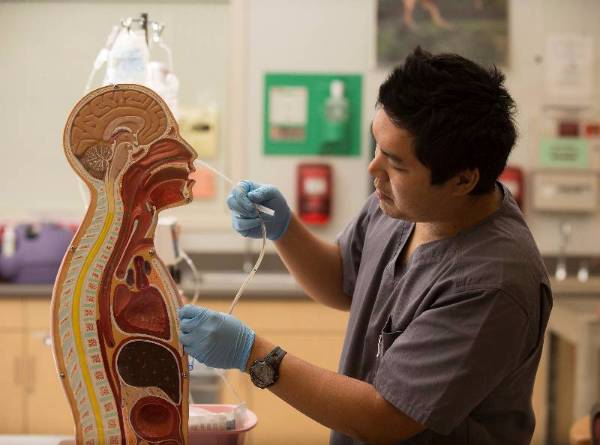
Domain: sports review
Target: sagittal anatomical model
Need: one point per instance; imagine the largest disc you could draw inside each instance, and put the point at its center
(114, 304)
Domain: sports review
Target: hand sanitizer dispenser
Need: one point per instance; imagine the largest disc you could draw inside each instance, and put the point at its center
(335, 126)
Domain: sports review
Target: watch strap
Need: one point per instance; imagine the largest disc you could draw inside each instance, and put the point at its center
(275, 357)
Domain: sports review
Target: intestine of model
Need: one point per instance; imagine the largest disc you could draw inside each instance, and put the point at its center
(114, 305)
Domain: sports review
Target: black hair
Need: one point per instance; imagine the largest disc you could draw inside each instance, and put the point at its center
(460, 115)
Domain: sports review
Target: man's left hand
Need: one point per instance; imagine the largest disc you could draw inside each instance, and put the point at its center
(216, 339)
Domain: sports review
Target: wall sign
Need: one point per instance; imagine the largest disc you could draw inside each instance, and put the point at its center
(564, 153)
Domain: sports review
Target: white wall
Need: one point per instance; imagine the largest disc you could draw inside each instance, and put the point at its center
(327, 35)
(42, 81)
(323, 35)
(46, 53)
(309, 36)
(526, 78)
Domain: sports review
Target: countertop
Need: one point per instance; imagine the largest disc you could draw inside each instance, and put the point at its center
(30, 439)
(212, 285)
(572, 286)
(272, 285)
(221, 276)
(25, 290)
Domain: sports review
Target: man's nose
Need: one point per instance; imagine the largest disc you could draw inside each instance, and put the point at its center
(375, 167)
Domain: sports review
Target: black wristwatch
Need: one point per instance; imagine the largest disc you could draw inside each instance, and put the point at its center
(265, 372)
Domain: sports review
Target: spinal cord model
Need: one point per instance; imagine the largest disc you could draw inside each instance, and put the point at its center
(114, 304)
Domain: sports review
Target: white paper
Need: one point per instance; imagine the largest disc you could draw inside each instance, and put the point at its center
(288, 106)
(569, 63)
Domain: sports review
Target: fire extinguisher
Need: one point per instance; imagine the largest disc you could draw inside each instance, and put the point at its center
(314, 193)
(512, 178)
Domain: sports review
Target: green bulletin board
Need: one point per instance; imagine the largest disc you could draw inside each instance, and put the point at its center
(301, 117)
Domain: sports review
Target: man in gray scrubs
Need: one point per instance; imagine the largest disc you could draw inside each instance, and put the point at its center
(447, 292)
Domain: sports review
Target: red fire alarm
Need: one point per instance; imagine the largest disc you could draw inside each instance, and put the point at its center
(314, 193)
(512, 178)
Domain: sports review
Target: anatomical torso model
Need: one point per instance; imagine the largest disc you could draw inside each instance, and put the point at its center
(114, 305)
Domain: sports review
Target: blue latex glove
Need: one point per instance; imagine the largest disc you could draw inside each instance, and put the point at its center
(245, 218)
(216, 339)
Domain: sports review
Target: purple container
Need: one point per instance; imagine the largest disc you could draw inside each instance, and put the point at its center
(39, 250)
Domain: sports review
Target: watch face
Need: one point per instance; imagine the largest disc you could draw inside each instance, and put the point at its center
(263, 374)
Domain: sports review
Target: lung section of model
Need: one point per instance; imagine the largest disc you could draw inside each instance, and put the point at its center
(114, 304)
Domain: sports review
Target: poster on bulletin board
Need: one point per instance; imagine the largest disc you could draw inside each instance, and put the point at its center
(475, 29)
(312, 114)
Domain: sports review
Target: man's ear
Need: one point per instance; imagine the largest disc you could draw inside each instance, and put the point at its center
(465, 181)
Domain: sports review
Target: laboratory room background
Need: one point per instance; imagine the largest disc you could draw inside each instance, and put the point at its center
(300, 222)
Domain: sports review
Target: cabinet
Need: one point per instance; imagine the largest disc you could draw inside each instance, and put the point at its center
(32, 393)
(45, 389)
(315, 334)
(303, 328)
(34, 402)
(38, 405)
(11, 382)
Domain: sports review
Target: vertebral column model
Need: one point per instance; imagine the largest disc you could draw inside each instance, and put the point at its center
(114, 304)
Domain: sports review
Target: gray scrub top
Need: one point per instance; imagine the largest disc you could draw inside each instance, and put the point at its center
(453, 338)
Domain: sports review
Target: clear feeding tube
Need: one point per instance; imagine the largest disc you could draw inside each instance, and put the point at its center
(259, 209)
(184, 256)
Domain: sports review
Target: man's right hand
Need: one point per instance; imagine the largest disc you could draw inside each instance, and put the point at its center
(245, 217)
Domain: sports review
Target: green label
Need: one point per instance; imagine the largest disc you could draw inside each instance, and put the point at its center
(564, 153)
